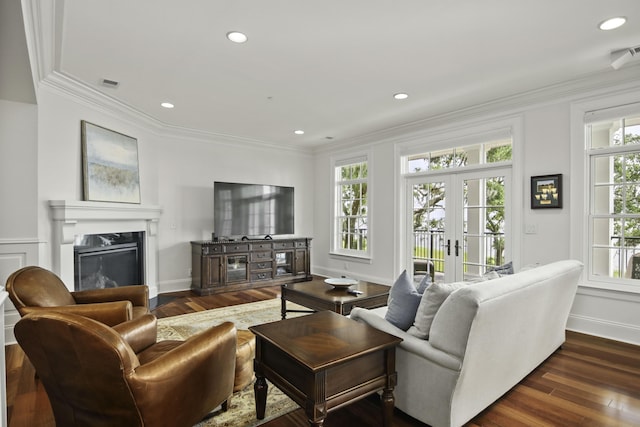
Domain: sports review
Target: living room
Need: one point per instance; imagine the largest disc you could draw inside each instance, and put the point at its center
(41, 162)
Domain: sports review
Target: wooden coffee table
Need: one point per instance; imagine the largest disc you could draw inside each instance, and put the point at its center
(318, 296)
(324, 361)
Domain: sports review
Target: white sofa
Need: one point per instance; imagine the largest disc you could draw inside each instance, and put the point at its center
(484, 339)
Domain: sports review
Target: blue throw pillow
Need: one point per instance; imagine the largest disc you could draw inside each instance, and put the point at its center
(403, 302)
(424, 284)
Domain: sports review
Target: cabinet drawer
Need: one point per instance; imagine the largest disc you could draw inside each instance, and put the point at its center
(261, 275)
(302, 244)
(260, 256)
(240, 247)
(261, 246)
(213, 249)
(283, 245)
(264, 265)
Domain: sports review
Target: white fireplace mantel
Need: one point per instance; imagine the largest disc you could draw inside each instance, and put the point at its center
(73, 218)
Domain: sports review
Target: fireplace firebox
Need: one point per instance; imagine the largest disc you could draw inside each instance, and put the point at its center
(108, 260)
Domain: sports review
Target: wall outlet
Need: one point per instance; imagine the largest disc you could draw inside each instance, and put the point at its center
(189, 272)
(530, 229)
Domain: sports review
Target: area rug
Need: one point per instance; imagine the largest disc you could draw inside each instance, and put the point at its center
(242, 411)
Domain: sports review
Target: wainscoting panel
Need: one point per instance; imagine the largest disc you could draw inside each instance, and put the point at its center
(15, 254)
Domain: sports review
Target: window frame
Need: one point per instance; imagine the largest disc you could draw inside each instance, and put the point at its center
(581, 234)
(336, 233)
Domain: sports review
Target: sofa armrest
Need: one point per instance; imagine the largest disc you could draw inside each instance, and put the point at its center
(137, 294)
(409, 343)
(139, 333)
(109, 313)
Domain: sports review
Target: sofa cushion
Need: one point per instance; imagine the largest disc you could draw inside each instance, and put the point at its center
(430, 302)
(403, 302)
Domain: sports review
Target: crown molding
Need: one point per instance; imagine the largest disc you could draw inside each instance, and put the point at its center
(581, 87)
(79, 92)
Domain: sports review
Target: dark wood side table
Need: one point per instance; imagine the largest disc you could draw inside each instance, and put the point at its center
(323, 361)
(318, 296)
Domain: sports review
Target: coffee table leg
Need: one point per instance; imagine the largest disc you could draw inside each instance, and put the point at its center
(260, 392)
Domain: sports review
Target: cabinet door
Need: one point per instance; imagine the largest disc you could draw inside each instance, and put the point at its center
(237, 268)
(211, 271)
(284, 264)
(300, 265)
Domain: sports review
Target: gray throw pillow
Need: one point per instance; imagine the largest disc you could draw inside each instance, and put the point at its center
(431, 301)
(424, 284)
(403, 302)
(503, 269)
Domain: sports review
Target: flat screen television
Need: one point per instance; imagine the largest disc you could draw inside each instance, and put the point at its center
(252, 210)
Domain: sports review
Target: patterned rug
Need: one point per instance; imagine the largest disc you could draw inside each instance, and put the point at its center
(242, 411)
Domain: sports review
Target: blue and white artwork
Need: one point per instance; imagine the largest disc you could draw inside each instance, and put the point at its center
(110, 165)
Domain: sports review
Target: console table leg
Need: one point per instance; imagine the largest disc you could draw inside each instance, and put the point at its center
(260, 391)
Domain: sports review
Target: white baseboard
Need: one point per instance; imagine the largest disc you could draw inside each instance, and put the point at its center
(177, 285)
(604, 329)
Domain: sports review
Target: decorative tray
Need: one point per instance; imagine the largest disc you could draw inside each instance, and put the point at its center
(341, 282)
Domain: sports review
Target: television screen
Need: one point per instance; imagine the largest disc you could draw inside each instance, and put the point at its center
(252, 209)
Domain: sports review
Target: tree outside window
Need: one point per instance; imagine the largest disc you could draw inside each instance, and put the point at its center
(352, 226)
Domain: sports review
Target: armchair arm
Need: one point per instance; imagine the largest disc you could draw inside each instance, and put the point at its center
(139, 333)
(109, 313)
(137, 294)
(193, 378)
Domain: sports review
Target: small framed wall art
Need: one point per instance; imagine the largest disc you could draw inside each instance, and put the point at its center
(109, 165)
(546, 191)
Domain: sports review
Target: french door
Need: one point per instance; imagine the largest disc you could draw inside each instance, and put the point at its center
(458, 223)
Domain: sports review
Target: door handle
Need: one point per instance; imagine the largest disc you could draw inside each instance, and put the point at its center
(457, 248)
(448, 245)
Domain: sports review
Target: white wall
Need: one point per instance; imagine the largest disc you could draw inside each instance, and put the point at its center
(186, 172)
(18, 195)
(543, 147)
(18, 154)
(176, 173)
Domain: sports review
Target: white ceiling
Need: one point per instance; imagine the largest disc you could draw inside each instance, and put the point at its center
(331, 67)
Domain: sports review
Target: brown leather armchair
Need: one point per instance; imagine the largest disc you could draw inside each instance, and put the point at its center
(94, 377)
(33, 289)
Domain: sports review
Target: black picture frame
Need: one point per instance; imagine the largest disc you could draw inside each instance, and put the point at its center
(546, 192)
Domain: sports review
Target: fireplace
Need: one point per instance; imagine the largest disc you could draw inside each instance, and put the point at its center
(72, 220)
(108, 260)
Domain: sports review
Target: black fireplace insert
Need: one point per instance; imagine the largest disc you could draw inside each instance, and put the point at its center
(108, 260)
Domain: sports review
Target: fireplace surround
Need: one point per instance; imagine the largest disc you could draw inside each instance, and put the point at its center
(71, 219)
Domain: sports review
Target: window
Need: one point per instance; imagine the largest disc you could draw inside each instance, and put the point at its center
(613, 164)
(351, 218)
(495, 151)
(460, 199)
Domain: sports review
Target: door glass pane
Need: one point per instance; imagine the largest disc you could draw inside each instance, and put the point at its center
(429, 204)
(483, 225)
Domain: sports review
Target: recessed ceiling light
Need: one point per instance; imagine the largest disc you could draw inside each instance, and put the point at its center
(237, 36)
(298, 132)
(612, 23)
(167, 105)
(400, 96)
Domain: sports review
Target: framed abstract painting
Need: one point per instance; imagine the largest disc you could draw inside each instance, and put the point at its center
(109, 165)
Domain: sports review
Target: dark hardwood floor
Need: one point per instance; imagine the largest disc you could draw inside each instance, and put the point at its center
(590, 381)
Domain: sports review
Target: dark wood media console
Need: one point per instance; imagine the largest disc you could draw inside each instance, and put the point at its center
(241, 264)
